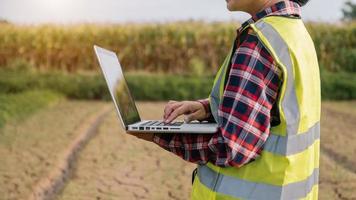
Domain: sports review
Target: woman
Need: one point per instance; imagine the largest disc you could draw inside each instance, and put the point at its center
(266, 100)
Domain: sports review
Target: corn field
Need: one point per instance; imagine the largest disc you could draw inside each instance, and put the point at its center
(178, 47)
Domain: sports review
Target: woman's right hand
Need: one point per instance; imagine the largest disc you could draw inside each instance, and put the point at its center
(193, 110)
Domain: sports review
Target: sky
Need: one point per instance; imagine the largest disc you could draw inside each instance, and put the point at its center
(124, 11)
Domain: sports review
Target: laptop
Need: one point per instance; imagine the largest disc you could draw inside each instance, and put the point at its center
(125, 104)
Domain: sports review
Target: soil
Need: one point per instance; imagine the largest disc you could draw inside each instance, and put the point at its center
(114, 165)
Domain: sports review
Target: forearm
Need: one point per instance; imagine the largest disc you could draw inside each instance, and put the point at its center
(200, 149)
(190, 147)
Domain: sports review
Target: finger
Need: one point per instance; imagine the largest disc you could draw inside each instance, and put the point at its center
(176, 113)
(191, 117)
(170, 108)
(188, 108)
(167, 109)
(172, 101)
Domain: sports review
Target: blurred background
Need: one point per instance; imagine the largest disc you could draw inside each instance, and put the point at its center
(59, 134)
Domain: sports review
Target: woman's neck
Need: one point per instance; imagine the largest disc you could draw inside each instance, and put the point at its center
(261, 5)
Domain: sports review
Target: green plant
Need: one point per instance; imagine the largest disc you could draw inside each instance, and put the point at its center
(147, 86)
(338, 86)
(179, 48)
(17, 106)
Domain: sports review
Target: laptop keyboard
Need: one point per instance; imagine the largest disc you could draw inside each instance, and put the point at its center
(160, 123)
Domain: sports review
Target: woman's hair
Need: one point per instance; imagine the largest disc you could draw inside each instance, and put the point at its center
(301, 2)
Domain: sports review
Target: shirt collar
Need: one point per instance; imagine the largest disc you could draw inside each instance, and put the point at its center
(282, 8)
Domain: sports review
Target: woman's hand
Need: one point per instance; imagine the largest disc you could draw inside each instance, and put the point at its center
(193, 110)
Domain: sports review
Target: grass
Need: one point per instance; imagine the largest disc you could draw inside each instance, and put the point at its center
(20, 105)
(338, 86)
(144, 86)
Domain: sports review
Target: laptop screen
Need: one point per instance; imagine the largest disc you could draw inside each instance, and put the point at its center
(117, 85)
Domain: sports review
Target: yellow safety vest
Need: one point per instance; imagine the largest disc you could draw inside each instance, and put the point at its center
(288, 167)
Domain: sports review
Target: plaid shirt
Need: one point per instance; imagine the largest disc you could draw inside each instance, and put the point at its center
(246, 108)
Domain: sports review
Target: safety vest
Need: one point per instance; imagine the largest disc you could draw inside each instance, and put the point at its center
(288, 167)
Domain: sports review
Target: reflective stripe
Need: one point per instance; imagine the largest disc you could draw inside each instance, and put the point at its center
(288, 167)
(289, 102)
(250, 190)
(215, 100)
(275, 169)
(292, 144)
(216, 93)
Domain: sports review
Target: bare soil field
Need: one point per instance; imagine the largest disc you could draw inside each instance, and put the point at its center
(113, 165)
(338, 147)
(337, 181)
(30, 149)
(118, 166)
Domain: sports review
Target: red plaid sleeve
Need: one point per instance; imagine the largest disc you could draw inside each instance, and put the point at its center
(206, 105)
(249, 95)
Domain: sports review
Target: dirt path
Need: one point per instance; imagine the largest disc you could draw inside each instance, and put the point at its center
(51, 184)
(113, 165)
(117, 166)
(31, 149)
